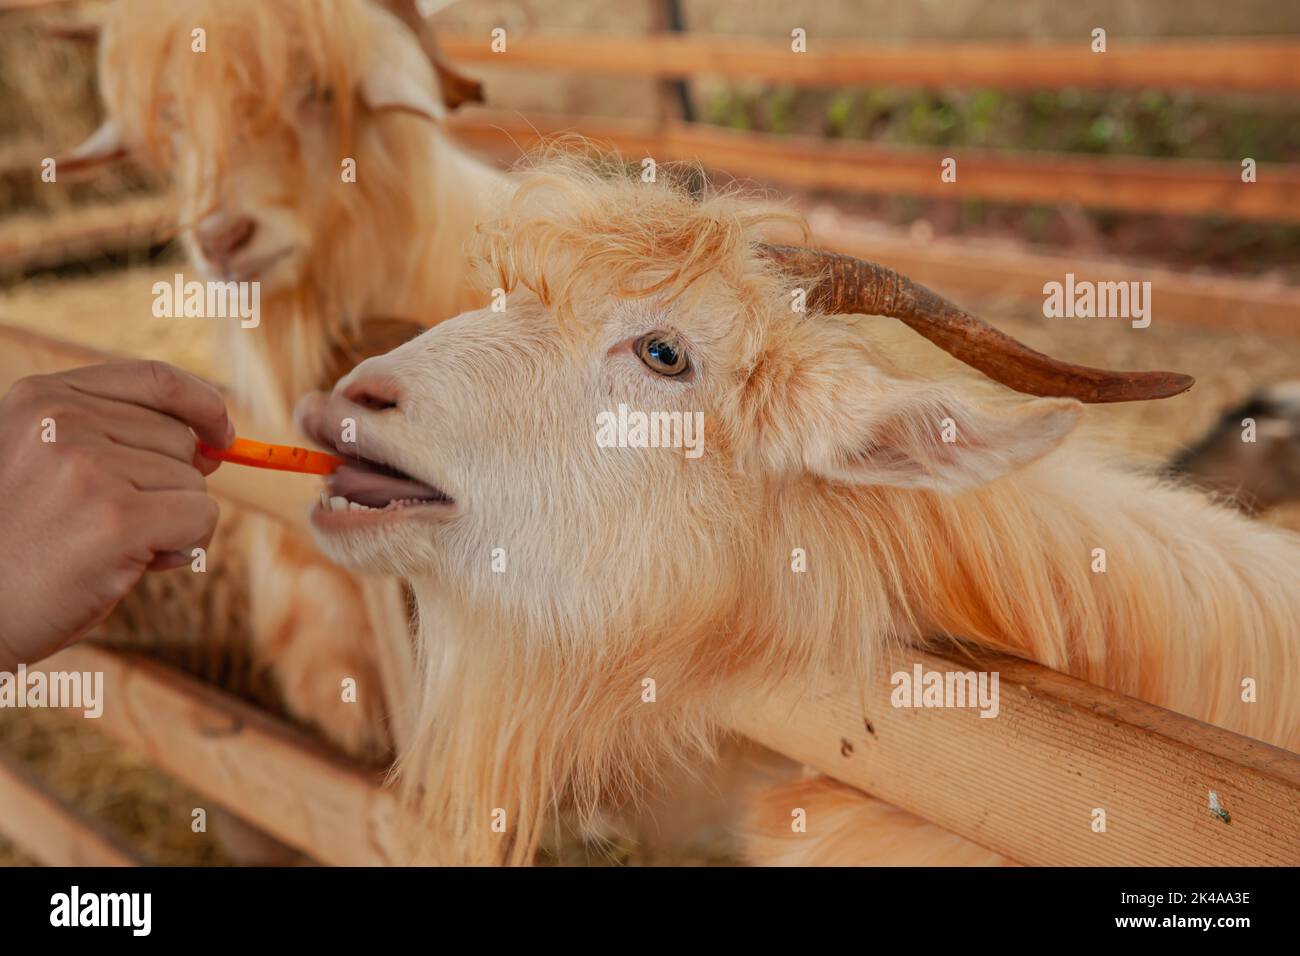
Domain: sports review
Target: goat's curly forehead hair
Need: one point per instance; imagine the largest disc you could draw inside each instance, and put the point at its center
(583, 225)
(254, 52)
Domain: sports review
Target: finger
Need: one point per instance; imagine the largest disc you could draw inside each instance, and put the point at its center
(150, 471)
(167, 560)
(161, 387)
(175, 520)
(146, 429)
(203, 464)
(94, 419)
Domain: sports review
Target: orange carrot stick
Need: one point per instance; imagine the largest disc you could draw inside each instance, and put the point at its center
(259, 454)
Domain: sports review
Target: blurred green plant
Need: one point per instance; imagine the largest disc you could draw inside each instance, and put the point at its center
(1136, 123)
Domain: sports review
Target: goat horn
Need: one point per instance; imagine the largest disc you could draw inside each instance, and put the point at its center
(849, 286)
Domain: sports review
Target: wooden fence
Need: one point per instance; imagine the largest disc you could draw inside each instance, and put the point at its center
(1126, 184)
(1210, 65)
(1024, 785)
(1129, 184)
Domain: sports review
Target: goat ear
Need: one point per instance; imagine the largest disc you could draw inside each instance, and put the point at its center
(105, 145)
(383, 87)
(918, 435)
(456, 88)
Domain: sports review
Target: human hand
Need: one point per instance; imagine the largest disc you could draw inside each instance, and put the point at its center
(120, 490)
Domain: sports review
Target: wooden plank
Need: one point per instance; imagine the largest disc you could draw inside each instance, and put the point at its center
(970, 271)
(20, 165)
(24, 352)
(1024, 784)
(266, 772)
(45, 826)
(1208, 64)
(506, 135)
(1027, 782)
(387, 612)
(28, 243)
(7, 6)
(1181, 187)
(1212, 64)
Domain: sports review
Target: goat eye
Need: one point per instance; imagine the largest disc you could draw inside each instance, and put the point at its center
(662, 355)
(320, 94)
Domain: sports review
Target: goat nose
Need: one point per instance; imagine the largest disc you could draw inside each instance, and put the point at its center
(221, 238)
(376, 394)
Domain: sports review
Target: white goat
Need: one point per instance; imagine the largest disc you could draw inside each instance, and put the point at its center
(306, 144)
(555, 575)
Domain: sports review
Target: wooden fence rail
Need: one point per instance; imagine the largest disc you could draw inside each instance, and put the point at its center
(1208, 65)
(975, 271)
(48, 828)
(103, 229)
(966, 270)
(1130, 184)
(1027, 783)
(1183, 187)
(971, 270)
(255, 766)
(7, 6)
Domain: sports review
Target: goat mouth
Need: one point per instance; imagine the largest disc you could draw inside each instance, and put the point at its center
(363, 488)
(248, 269)
(362, 485)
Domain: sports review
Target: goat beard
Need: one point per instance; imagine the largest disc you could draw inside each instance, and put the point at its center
(511, 731)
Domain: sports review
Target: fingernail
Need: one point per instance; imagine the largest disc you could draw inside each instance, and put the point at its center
(230, 431)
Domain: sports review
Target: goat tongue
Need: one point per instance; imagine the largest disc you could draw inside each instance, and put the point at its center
(376, 485)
